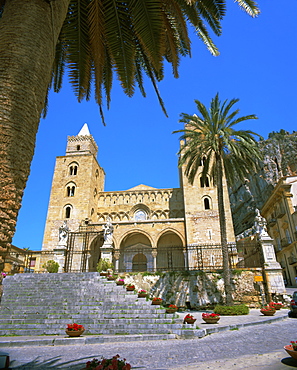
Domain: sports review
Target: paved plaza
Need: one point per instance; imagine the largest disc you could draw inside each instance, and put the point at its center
(259, 345)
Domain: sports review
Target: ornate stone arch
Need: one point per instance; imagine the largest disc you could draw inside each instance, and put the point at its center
(170, 229)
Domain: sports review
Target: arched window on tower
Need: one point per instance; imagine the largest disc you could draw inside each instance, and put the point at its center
(68, 212)
(204, 182)
(70, 191)
(206, 203)
(73, 170)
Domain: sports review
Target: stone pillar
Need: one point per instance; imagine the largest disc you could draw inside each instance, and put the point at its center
(117, 257)
(154, 254)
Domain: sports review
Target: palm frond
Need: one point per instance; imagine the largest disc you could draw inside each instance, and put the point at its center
(120, 39)
(249, 6)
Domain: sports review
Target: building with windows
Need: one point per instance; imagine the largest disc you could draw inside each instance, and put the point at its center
(151, 227)
(280, 211)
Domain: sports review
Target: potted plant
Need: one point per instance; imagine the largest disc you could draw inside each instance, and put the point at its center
(130, 287)
(276, 305)
(157, 301)
(189, 319)
(268, 311)
(172, 308)
(292, 349)
(74, 330)
(142, 293)
(111, 277)
(211, 318)
(114, 363)
(103, 266)
(120, 282)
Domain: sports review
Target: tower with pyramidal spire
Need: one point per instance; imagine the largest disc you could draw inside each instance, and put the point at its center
(77, 179)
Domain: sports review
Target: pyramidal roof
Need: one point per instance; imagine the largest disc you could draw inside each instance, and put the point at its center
(84, 131)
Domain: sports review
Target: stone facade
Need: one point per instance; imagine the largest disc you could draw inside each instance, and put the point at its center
(280, 211)
(143, 218)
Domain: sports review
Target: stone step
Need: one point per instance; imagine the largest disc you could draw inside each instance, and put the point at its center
(43, 304)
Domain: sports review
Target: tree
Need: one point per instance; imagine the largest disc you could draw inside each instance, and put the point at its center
(51, 266)
(211, 139)
(38, 38)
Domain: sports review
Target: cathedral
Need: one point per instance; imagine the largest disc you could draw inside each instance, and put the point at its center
(152, 229)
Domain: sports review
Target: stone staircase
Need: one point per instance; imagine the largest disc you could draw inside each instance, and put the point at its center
(43, 304)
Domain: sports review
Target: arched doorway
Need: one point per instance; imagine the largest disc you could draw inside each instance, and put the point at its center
(94, 253)
(139, 263)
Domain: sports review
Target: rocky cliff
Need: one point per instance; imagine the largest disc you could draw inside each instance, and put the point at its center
(279, 159)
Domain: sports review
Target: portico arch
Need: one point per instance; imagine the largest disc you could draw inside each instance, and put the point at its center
(135, 252)
(170, 254)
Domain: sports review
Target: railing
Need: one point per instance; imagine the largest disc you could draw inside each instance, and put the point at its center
(166, 258)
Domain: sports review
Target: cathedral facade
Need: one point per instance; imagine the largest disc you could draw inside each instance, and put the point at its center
(152, 228)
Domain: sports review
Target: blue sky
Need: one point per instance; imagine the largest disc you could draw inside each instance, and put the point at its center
(257, 64)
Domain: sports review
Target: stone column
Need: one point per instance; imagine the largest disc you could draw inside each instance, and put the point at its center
(154, 254)
(117, 257)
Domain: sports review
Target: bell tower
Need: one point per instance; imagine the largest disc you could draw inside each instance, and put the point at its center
(77, 180)
(201, 210)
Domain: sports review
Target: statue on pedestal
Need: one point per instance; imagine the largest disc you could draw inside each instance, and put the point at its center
(108, 232)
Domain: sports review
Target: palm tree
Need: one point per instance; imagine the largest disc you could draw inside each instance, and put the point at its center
(38, 38)
(211, 139)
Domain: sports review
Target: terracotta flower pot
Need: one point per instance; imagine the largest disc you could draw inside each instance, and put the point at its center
(267, 313)
(130, 289)
(142, 295)
(103, 273)
(290, 351)
(156, 302)
(211, 320)
(74, 333)
(120, 282)
(189, 321)
(278, 307)
(171, 310)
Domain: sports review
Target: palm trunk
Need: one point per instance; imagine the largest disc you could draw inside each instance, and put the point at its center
(223, 229)
(29, 30)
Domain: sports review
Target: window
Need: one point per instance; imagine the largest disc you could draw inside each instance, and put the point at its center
(140, 215)
(206, 203)
(73, 170)
(288, 236)
(67, 212)
(70, 191)
(204, 182)
(77, 147)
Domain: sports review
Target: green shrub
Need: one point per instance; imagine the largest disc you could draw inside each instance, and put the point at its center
(240, 309)
(104, 265)
(51, 266)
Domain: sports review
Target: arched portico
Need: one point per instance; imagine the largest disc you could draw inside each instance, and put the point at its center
(170, 252)
(135, 253)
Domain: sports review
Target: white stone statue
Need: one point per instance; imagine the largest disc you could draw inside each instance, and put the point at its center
(63, 233)
(108, 232)
(260, 224)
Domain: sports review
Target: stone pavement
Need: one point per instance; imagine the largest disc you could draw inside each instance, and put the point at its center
(200, 330)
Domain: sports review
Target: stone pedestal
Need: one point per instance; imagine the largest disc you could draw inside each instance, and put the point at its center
(271, 268)
(106, 252)
(59, 256)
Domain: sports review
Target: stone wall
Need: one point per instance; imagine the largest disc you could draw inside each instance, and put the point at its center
(196, 289)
